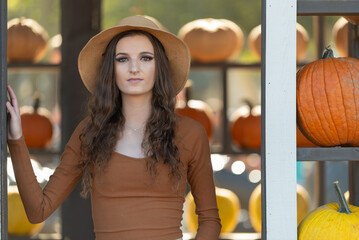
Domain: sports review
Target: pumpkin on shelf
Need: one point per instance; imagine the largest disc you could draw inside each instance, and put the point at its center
(245, 126)
(255, 212)
(327, 94)
(26, 40)
(36, 125)
(332, 221)
(228, 210)
(340, 36)
(302, 141)
(18, 224)
(254, 41)
(197, 110)
(212, 40)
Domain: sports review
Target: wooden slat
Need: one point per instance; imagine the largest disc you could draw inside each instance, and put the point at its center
(79, 22)
(279, 221)
(3, 118)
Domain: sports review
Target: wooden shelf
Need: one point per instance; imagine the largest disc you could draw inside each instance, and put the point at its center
(327, 8)
(33, 67)
(328, 154)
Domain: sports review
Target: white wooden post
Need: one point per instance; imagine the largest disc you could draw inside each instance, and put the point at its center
(279, 211)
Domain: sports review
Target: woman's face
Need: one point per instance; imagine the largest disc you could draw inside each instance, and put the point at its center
(135, 65)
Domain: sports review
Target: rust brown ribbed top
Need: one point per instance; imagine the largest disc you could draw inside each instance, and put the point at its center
(127, 203)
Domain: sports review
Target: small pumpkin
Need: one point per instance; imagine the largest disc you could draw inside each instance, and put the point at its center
(197, 110)
(245, 126)
(26, 40)
(18, 224)
(228, 210)
(255, 212)
(212, 40)
(340, 36)
(327, 96)
(254, 41)
(332, 221)
(36, 125)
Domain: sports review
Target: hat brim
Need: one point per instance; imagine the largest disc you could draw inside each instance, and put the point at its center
(90, 57)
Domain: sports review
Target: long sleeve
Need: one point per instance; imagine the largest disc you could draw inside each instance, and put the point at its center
(200, 178)
(41, 203)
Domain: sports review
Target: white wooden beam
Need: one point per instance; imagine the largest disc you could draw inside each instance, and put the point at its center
(279, 220)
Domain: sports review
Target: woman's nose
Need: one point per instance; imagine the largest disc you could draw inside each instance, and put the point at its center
(134, 67)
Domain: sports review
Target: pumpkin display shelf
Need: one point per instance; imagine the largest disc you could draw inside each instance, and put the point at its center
(33, 67)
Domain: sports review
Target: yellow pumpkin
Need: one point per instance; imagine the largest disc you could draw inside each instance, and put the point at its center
(18, 224)
(340, 36)
(228, 209)
(254, 41)
(332, 221)
(26, 40)
(255, 212)
(212, 40)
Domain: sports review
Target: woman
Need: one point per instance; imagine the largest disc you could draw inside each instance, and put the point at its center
(132, 152)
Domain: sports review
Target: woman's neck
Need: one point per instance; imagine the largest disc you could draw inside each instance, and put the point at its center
(136, 110)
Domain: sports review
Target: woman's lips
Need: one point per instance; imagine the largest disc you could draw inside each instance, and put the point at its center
(135, 80)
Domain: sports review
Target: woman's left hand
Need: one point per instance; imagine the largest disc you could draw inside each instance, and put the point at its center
(15, 130)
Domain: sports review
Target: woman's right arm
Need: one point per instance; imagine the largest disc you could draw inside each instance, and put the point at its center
(40, 203)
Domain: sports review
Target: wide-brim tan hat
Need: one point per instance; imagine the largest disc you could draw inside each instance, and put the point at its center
(90, 58)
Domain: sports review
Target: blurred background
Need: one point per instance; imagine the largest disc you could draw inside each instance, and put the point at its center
(236, 165)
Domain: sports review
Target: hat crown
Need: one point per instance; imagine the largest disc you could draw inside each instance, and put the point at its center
(137, 21)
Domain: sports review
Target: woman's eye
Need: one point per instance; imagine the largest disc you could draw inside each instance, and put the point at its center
(146, 58)
(121, 59)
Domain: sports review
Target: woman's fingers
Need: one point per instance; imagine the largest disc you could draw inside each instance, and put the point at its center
(13, 99)
(15, 131)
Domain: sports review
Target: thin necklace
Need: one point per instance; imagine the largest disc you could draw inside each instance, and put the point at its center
(137, 130)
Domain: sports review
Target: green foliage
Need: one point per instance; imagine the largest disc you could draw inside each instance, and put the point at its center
(174, 14)
(45, 12)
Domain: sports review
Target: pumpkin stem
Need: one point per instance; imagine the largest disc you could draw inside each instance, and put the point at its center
(248, 103)
(343, 205)
(328, 53)
(36, 101)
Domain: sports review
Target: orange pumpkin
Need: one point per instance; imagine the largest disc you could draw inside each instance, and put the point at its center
(327, 96)
(26, 40)
(246, 127)
(340, 36)
(212, 40)
(254, 41)
(302, 141)
(36, 125)
(353, 19)
(199, 111)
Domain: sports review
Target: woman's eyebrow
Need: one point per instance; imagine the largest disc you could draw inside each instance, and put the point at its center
(145, 52)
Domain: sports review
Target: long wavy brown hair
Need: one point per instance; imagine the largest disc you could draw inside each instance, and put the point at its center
(106, 120)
